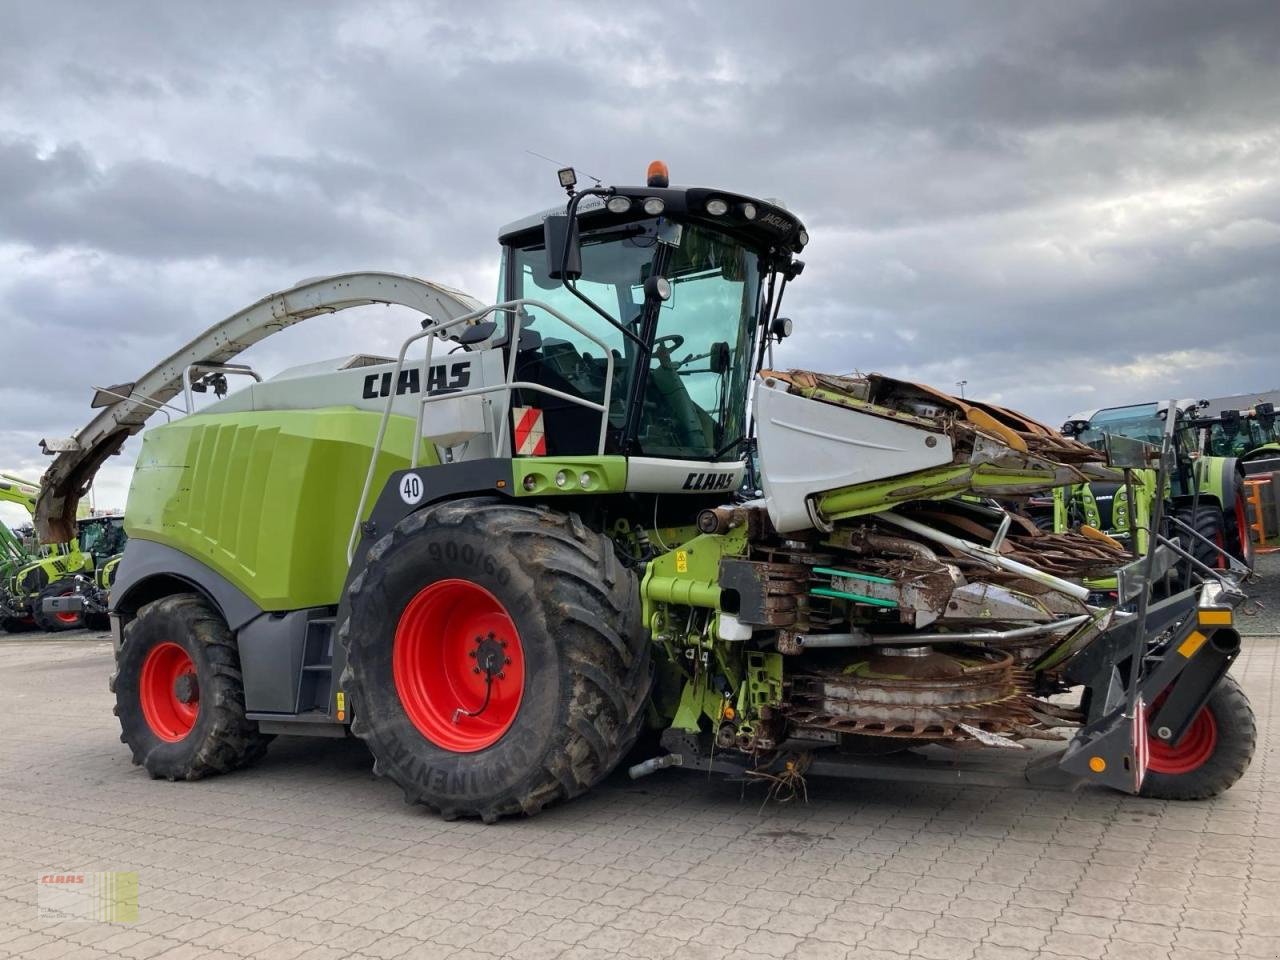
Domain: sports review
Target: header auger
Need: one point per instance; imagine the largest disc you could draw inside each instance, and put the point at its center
(499, 566)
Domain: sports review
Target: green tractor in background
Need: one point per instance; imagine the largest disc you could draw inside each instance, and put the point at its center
(499, 565)
(83, 598)
(37, 584)
(1204, 496)
(1250, 435)
(16, 551)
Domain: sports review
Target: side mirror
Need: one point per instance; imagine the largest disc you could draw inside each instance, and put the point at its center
(1230, 422)
(1266, 415)
(721, 359)
(478, 333)
(564, 254)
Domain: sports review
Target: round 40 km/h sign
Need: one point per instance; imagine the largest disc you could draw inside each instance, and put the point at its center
(411, 488)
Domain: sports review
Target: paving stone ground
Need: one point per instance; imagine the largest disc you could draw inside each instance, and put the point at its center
(307, 855)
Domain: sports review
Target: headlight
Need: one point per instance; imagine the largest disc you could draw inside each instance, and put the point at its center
(749, 211)
(717, 207)
(619, 204)
(654, 206)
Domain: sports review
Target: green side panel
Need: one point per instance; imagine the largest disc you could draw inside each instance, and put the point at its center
(697, 700)
(555, 476)
(266, 498)
(938, 483)
(1209, 476)
(1264, 452)
(64, 561)
(689, 575)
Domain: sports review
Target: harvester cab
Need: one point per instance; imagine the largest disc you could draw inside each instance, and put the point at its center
(497, 567)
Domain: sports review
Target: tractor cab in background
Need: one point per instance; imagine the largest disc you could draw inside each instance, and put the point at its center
(1250, 435)
(1204, 493)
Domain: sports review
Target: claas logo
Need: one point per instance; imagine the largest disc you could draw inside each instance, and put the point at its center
(441, 378)
(709, 481)
(62, 878)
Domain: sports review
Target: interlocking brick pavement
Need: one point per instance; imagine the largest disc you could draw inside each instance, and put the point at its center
(307, 855)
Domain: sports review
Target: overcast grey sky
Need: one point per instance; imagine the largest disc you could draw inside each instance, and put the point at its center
(1066, 204)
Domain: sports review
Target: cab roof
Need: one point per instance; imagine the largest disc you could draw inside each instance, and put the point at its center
(773, 228)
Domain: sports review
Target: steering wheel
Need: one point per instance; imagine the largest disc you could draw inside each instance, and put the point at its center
(662, 347)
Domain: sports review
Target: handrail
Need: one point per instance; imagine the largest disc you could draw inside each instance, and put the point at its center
(241, 368)
(516, 309)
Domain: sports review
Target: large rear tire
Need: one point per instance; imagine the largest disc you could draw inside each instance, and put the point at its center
(1212, 755)
(1239, 539)
(179, 692)
(1208, 521)
(57, 622)
(496, 660)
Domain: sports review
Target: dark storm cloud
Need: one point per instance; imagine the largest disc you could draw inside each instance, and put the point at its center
(1064, 204)
(156, 210)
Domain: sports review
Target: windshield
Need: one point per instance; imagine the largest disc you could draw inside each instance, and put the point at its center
(693, 403)
(102, 538)
(1249, 436)
(1139, 422)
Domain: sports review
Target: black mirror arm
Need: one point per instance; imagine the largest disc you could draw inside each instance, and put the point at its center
(571, 211)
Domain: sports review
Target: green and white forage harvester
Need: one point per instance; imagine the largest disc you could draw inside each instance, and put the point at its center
(593, 515)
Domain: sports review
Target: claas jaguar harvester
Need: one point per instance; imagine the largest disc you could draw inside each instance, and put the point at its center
(503, 555)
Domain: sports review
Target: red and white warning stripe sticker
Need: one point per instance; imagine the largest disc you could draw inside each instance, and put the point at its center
(531, 438)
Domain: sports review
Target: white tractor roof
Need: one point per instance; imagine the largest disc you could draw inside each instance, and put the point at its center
(349, 362)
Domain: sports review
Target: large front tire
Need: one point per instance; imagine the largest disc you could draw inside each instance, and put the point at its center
(1212, 755)
(179, 692)
(454, 586)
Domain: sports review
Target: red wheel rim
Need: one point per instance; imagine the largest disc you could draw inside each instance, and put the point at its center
(1189, 753)
(66, 616)
(435, 668)
(1242, 528)
(169, 692)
